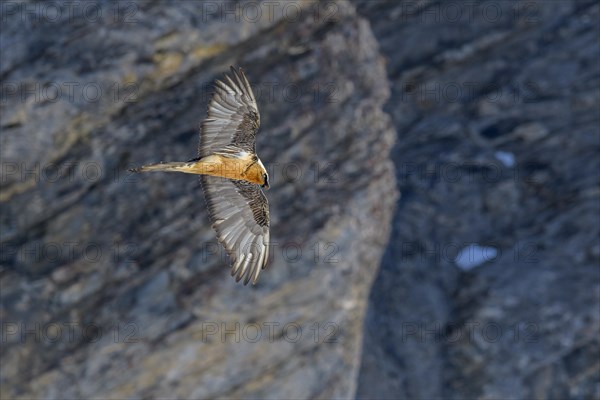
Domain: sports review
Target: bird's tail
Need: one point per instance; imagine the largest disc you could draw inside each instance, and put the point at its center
(166, 167)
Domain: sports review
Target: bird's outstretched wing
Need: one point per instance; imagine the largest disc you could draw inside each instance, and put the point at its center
(233, 118)
(240, 214)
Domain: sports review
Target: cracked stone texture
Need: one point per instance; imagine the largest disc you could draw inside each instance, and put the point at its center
(112, 285)
(484, 115)
(521, 78)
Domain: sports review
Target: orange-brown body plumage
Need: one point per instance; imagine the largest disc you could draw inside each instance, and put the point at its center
(245, 168)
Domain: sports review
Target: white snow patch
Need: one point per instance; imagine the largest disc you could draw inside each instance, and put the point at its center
(506, 158)
(473, 256)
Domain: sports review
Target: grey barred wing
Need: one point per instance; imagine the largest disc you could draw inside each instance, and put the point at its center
(233, 117)
(240, 215)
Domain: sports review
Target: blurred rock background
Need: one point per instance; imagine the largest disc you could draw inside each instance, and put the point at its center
(434, 201)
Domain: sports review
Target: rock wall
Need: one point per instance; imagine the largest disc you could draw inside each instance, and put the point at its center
(496, 107)
(480, 280)
(113, 285)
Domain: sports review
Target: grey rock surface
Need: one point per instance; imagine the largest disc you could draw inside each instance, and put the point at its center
(469, 80)
(482, 280)
(113, 285)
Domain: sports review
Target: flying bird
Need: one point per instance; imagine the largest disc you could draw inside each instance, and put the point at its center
(232, 175)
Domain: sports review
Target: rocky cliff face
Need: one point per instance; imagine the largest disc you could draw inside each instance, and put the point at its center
(483, 276)
(496, 108)
(113, 285)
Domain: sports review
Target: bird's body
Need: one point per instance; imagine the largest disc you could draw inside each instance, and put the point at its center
(232, 175)
(242, 166)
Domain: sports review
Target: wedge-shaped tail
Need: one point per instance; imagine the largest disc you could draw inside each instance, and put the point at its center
(186, 167)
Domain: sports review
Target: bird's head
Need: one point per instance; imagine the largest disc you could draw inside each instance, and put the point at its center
(264, 175)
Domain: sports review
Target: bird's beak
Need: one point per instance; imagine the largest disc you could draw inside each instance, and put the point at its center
(265, 185)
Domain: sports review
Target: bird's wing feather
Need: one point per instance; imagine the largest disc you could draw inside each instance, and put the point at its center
(240, 215)
(233, 117)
